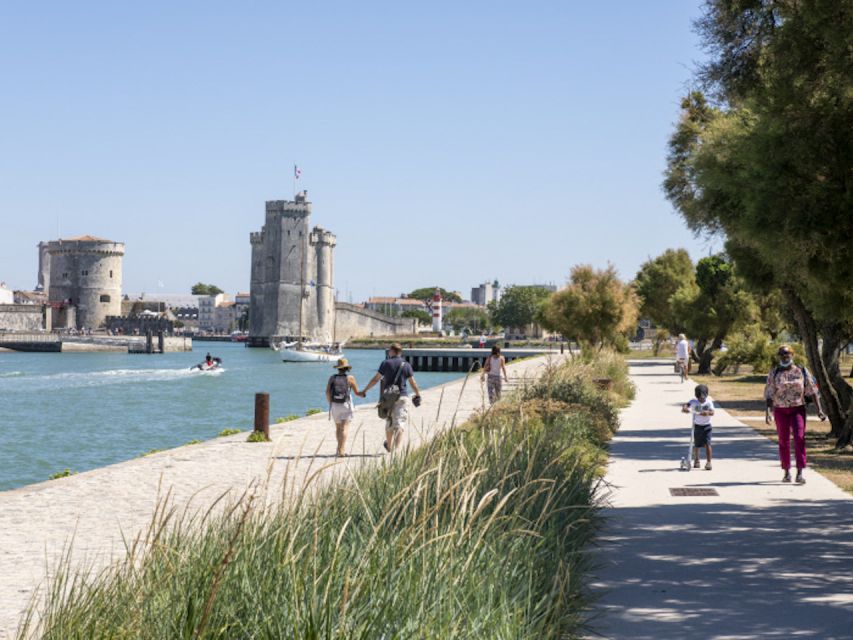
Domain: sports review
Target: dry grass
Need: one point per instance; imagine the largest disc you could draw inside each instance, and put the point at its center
(742, 396)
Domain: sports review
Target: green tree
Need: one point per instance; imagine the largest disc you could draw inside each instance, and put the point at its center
(769, 165)
(426, 293)
(712, 306)
(422, 316)
(518, 306)
(201, 289)
(597, 309)
(461, 318)
(656, 282)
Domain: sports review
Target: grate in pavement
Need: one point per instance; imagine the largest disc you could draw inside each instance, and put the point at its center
(692, 491)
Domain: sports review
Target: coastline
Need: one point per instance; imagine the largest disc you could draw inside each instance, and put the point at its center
(102, 508)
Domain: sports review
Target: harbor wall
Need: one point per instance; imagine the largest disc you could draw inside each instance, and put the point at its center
(21, 317)
(357, 322)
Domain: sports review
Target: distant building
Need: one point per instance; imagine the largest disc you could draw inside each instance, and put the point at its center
(7, 296)
(225, 317)
(84, 281)
(207, 311)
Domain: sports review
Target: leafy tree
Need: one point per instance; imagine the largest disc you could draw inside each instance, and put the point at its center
(518, 306)
(769, 165)
(657, 280)
(712, 306)
(426, 293)
(422, 316)
(460, 318)
(597, 309)
(201, 289)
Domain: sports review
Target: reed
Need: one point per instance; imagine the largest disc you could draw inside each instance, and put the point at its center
(481, 533)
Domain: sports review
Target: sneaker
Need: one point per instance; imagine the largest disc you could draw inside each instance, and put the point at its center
(787, 476)
(388, 449)
(708, 467)
(800, 478)
(695, 464)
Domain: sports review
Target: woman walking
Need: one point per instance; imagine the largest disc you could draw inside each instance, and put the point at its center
(788, 389)
(493, 368)
(340, 401)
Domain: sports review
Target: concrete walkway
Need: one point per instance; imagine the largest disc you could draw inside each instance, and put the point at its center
(762, 559)
(102, 507)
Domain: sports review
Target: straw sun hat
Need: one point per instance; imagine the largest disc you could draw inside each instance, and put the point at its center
(343, 363)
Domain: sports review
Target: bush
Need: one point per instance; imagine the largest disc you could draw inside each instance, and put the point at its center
(754, 348)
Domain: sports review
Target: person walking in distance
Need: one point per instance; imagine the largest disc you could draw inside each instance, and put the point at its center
(682, 353)
(395, 375)
(493, 368)
(338, 395)
(789, 388)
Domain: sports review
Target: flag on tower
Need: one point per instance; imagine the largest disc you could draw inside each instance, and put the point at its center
(296, 172)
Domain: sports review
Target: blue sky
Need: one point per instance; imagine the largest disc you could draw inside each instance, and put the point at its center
(445, 143)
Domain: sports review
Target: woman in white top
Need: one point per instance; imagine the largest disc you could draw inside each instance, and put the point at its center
(340, 401)
(682, 352)
(492, 369)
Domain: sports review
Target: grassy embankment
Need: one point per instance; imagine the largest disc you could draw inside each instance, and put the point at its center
(742, 395)
(481, 533)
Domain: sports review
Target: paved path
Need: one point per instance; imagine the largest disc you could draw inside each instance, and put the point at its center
(99, 506)
(761, 560)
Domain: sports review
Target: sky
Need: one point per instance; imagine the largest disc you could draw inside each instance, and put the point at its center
(445, 143)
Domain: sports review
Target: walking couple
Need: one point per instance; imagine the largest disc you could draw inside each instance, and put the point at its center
(394, 375)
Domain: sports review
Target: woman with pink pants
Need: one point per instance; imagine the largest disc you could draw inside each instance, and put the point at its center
(787, 388)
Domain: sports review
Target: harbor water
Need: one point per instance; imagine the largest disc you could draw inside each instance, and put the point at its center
(80, 411)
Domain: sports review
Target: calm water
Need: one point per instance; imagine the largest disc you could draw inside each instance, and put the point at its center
(87, 410)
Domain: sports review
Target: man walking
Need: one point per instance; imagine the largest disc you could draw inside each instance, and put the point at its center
(394, 372)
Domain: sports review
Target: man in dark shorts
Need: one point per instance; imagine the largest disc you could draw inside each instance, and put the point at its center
(395, 370)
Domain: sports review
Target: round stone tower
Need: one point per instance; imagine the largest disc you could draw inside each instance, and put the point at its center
(323, 242)
(85, 272)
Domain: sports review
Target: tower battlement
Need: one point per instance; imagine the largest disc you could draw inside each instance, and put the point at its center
(256, 237)
(298, 209)
(320, 236)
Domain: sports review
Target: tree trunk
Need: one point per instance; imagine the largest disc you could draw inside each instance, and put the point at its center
(708, 354)
(823, 361)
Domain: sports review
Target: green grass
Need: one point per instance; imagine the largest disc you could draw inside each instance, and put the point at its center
(257, 436)
(283, 419)
(313, 411)
(481, 533)
(61, 474)
(228, 432)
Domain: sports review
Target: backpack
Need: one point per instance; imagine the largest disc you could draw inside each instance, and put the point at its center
(806, 376)
(339, 388)
(390, 395)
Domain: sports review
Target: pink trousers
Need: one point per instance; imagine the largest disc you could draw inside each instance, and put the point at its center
(791, 421)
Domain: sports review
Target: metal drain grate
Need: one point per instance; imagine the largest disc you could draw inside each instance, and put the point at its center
(691, 491)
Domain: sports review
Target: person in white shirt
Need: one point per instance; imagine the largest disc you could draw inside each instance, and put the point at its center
(682, 352)
(702, 408)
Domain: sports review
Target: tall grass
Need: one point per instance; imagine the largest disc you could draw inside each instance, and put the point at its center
(479, 534)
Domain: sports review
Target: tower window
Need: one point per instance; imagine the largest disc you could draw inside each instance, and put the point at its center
(105, 298)
(111, 273)
(84, 272)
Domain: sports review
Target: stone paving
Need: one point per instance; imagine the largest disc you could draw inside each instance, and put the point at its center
(762, 559)
(103, 507)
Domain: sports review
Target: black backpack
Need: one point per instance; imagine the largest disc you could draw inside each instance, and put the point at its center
(339, 388)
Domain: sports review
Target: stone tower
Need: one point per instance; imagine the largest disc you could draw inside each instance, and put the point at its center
(85, 273)
(292, 291)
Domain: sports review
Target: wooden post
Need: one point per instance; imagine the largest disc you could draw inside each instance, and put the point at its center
(262, 414)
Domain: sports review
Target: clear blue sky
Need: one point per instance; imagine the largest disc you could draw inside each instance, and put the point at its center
(444, 142)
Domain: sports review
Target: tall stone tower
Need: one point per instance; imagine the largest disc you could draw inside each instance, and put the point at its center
(85, 273)
(292, 292)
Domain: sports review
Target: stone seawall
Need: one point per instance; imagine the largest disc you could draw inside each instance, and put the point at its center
(21, 317)
(357, 322)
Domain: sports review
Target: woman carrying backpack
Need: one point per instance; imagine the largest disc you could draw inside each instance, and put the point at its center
(788, 389)
(340, 401)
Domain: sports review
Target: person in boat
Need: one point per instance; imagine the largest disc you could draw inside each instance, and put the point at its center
(209, 363)
(339, 397)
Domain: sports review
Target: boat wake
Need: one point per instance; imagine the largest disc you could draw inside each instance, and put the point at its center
(71, 379)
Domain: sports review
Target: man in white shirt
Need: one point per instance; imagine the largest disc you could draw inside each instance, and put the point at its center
(682, 352)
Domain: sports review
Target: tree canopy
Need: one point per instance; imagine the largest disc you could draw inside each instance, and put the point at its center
(766, 161)
(518, 306)
(201, 289)
(426, 293)
(461, 318)
(597, 309)
(422, 316)
(656, 282)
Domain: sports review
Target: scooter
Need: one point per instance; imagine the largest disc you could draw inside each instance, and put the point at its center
(685, 460)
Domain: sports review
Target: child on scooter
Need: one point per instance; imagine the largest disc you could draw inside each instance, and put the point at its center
(702, 408)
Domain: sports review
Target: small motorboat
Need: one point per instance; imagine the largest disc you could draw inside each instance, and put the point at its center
(208, 364)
